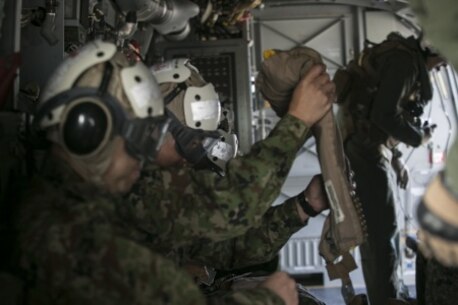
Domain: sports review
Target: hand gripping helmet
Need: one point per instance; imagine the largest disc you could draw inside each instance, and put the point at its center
(281, 71)
(96, 95)
(195, 111)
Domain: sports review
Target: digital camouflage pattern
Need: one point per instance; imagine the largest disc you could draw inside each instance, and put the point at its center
(258, 245)
(74, 249)
(175, 210)
(260, 237)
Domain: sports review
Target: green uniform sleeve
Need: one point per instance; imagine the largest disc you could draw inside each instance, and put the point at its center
(257, 245)
(175, 209)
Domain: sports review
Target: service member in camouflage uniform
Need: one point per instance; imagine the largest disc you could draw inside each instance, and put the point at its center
(257, 245)
(73, 247)
(196, 207)
(261, 244)
(201, 205)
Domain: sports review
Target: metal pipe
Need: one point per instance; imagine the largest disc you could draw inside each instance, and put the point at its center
(169, 18)
(147, 10)
(129, 27)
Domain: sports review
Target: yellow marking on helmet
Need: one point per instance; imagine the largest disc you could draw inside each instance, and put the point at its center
(268, 53)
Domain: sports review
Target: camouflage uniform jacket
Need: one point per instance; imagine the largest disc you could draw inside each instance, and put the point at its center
(258, 245)
(174, 208)
(74, 249)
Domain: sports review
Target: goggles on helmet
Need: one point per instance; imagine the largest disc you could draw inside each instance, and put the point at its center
(202, 148)
(88, 118)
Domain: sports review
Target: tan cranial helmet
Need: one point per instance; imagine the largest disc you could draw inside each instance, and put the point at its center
(281, 71)
(195, 110)
(98, 94)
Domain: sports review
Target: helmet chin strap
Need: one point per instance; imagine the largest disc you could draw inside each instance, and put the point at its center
(180, 87)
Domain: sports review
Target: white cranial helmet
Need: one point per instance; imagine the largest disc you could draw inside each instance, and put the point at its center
(95, 95)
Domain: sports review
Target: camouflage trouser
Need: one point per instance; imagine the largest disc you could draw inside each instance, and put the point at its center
(378, 192)
(441, 284)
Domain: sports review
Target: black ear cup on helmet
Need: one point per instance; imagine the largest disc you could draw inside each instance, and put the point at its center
(85, 128)
(91, 119)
